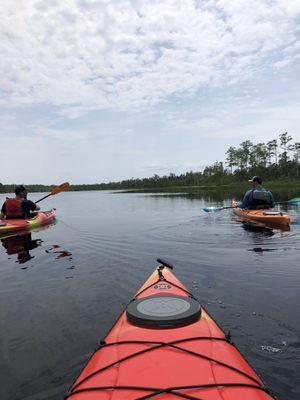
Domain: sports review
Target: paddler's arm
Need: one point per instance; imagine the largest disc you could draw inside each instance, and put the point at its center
(246, 200)
(3, 211)
(272, 202)
(32, 206)
(28, 207)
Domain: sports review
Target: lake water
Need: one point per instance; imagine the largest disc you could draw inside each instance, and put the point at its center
(60, 296)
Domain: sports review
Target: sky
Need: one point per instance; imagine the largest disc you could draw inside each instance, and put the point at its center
(98, 91)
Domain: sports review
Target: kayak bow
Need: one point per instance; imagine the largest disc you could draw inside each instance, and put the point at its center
(166, 346)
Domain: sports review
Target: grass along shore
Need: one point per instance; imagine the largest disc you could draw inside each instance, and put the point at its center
(282, 190)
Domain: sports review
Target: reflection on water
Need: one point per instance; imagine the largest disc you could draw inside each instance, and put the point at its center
(259, 229)
(81, 272)
(218, 194)
(61, 253)
(20, 245)
(261, 250)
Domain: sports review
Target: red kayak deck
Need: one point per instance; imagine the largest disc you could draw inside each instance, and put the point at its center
(196, 361)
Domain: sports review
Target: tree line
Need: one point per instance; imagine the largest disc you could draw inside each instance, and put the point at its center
(278, 159)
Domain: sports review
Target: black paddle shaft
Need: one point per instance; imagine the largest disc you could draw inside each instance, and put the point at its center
(43, 198)
(165, 263)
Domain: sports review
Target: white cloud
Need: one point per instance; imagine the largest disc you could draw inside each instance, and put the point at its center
(92, 55)
(200, 75)
(256, 119)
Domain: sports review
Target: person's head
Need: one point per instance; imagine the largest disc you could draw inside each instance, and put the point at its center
(21, 192)
(255, 181)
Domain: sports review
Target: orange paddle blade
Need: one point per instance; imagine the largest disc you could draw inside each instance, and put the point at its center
(60, 188)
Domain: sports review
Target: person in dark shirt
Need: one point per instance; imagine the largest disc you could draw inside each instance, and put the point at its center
(19, 207)
(257, 197)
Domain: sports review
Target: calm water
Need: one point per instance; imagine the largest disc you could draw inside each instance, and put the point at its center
(60, 296)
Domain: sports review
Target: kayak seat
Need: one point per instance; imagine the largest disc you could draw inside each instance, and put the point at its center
(259, 207)
(163, 311)
(273, 213)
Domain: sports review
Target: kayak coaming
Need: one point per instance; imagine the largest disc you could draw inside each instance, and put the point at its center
(281, 219)
(24, 225)
(196, 354)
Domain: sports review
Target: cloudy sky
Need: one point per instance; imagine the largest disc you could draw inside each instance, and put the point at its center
(93, 91)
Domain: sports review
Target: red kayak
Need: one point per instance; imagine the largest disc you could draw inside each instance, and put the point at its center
(12, 226)
(166, 346)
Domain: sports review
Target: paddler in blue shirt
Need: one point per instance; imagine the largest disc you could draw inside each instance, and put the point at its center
(258, 197)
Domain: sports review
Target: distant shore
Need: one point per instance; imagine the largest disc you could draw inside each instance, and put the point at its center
(288, 186)
(277, 162)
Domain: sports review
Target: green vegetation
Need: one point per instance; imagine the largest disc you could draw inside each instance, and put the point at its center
(277, 160)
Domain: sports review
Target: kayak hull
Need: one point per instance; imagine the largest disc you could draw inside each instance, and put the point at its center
(266, 216)
(196, 360)
(24, 225)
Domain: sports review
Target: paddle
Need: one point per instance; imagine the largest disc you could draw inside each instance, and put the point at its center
(292, 202)
(215, 209)
(56, 190)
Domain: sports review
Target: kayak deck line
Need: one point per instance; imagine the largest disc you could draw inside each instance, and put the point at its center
(172, 390)
(163, 279)
(81, 384)
(165, 344)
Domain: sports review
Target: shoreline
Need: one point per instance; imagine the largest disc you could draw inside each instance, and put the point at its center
(189, 189)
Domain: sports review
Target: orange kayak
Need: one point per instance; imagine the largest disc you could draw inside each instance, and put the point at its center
(166, 346)
(266, 216)
(11, 226)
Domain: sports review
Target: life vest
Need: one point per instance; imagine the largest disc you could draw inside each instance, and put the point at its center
(260, 199)
(13, 208)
